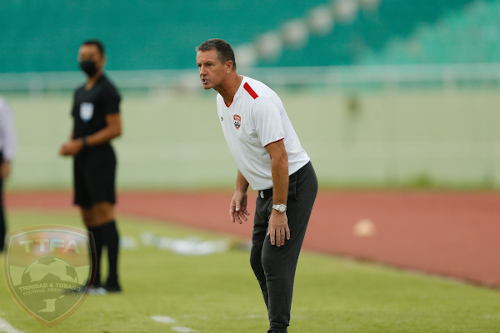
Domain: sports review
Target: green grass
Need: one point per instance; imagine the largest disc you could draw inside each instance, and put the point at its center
(218, 293)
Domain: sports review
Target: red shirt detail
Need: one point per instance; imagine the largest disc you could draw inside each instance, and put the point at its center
(250, 90)
(229, 103)
(273, 142)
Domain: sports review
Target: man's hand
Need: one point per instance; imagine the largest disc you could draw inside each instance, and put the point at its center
(238, 209)
(71, 148)
(5, 169)
(278, 229)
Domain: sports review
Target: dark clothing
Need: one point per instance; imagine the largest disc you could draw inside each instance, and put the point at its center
(3, 227)
(94, 173)
(275, 266)
(112, 243)
(90, 107)
(106, 236)
(95, 233)
(94, 168)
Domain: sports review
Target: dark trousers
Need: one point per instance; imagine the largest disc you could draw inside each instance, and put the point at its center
(2, 214)
(275, 266)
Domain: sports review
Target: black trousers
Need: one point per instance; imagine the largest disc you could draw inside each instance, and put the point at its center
(3, 227)
(275, 266)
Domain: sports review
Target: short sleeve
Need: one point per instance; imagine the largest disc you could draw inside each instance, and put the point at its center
(266, 118)
(72, 113)
(112, 101)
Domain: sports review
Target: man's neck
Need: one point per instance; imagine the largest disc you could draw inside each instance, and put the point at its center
(92, 80)
(229, 88)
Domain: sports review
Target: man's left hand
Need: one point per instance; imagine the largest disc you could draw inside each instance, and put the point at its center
(278, 229)
(71, 148)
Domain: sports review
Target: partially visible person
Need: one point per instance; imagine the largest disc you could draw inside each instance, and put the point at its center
(7, 150)
(96, 121)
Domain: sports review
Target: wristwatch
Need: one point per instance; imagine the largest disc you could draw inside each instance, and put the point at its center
(280, 208)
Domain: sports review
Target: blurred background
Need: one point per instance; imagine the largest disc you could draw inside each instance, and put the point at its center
(382, 93)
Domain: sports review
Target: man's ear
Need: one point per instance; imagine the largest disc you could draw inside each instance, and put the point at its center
(104, 60)
(229, 66)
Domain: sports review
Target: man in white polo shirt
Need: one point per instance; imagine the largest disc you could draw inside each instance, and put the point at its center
(269, 157)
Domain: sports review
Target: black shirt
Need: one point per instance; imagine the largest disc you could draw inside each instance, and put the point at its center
(90, 107)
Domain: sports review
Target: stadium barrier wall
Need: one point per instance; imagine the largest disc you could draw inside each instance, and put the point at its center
(406, 127)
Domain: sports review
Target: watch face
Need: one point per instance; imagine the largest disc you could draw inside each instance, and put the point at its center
(280, 208)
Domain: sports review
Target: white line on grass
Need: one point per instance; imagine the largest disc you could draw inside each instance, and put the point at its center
(170, 320)
(164, 319)
(182, 329)
(5, 327)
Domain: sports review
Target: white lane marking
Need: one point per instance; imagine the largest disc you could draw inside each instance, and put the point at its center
(182, 329)
(5, 327)
(164, 319)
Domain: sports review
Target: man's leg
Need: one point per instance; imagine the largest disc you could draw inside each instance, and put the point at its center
(104, 212)
(258, 237)
(90, 222)
(280, 263)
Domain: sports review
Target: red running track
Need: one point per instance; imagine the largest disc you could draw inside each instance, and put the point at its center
(451, 234)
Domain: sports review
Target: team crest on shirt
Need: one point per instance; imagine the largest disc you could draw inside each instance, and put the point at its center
(237, 121)
(86, 111)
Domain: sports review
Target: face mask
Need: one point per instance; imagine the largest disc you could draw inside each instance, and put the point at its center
(89, 67)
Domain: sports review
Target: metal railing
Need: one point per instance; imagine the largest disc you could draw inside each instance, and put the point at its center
(452, 76)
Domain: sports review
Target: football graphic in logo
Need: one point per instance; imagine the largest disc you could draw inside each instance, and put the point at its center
(48, 270)
(237, 121)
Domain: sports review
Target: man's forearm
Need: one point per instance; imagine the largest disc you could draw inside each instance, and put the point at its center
(103, 136)
(241, 183)
(280, 179)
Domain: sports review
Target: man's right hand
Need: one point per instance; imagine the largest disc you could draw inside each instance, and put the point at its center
(71, 147)
(238, 209)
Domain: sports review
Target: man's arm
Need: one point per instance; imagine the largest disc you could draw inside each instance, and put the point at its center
(111, 131)
(238, 208)
(278, 223)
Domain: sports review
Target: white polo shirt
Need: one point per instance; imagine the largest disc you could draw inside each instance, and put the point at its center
(254, 119)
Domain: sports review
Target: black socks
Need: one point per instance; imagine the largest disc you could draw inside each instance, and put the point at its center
(107, 235)
(112, 243)
(97, 235)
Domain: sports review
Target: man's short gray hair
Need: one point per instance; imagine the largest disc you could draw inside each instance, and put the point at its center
(224, 50)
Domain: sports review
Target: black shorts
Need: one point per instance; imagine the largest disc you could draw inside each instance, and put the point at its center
(94, 171)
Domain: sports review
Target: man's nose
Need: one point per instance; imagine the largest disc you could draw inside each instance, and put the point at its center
(203, 70)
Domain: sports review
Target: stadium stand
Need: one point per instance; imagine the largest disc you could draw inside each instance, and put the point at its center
(362, 38)
(157, 34)
(469, 36)
(162, 34)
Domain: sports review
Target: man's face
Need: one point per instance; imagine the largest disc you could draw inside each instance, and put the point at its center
(212, 71)
(91, 53)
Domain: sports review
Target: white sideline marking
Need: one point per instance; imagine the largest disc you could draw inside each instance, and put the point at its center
(164, 319)
(182, 329)
(169, 320)
(5, 327)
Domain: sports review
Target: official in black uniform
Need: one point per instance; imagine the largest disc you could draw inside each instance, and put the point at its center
(96, 121)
